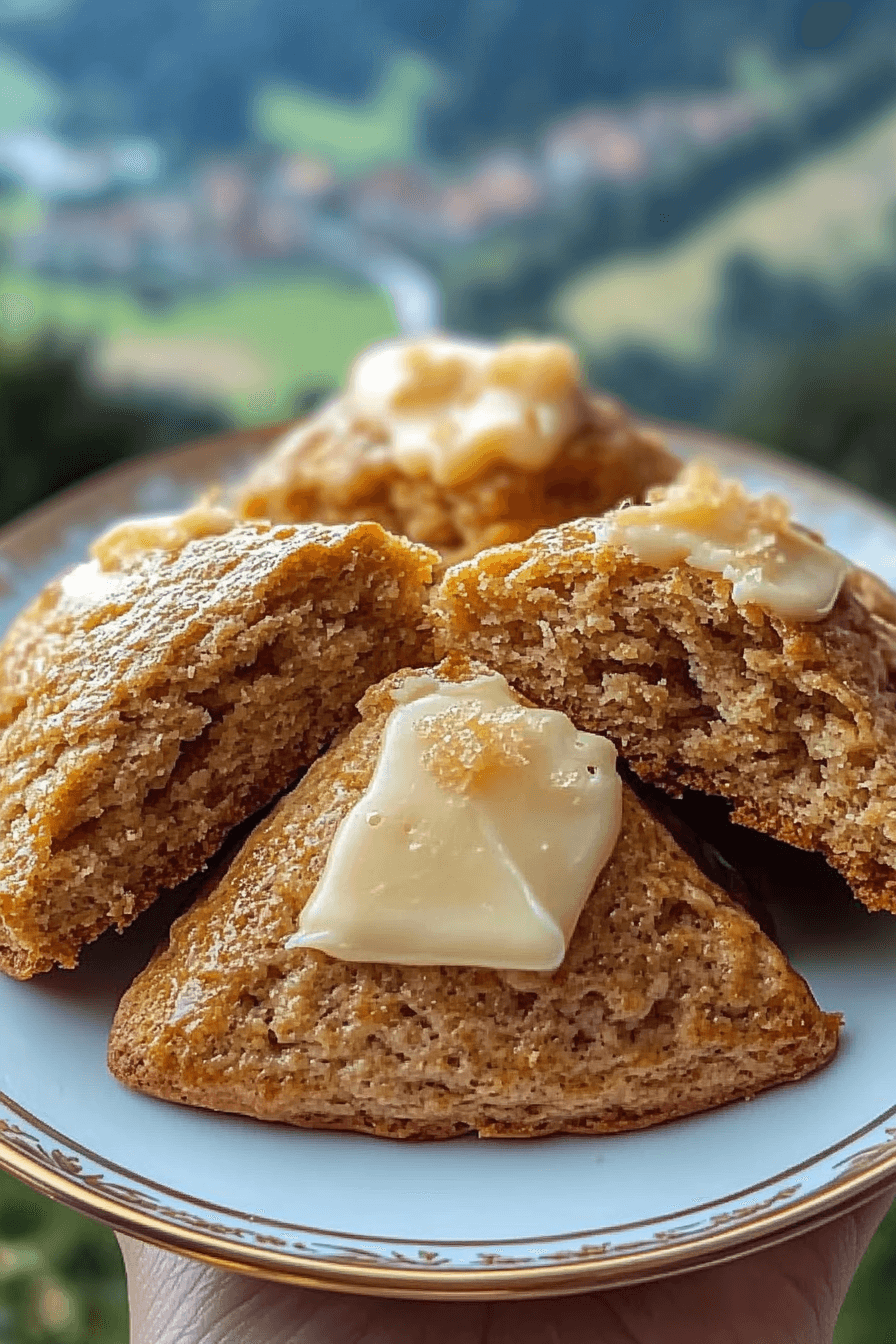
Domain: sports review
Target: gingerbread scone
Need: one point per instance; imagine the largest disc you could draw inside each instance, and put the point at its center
(363, 963)
(721, 648)
(156, 696)
(460, 445)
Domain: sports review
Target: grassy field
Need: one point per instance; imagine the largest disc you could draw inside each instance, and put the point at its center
(251, 348)
(28, 97)
(20, 211)
(831, 219)
(352, 137)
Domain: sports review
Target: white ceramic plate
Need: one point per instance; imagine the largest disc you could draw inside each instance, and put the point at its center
(465, 1217)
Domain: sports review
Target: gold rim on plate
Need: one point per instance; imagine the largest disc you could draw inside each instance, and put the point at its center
(766, 1227)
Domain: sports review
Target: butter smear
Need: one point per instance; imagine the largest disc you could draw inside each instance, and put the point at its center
(713, 524)
(478, 840)
(444, 409)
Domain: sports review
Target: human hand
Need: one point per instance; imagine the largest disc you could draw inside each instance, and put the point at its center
(790, 1294)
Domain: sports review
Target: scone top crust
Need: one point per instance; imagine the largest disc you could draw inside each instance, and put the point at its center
(877, 596)
(793, 721)
(471, 446)
(92, 638)
(669, 999)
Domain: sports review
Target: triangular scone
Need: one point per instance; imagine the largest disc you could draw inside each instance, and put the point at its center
(155, 697)
(344, 462)
(793, 721)
(670, 999)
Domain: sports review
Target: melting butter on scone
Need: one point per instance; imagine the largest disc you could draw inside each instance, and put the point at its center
(714, 525)
(459, 444)
(669, 999)
(720, 647)
(479, 839)
(455, 407)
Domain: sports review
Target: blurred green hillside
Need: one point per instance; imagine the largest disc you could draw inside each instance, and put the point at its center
(28, 97)
(61, 1276)
(250, 349)
(55, 428)
(830, 223)
(192, 73)
(385, 127)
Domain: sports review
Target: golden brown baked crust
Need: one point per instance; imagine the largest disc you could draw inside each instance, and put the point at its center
(794, 722)
(147, 710)
(347, 477)
(670, 999)
(876, 595)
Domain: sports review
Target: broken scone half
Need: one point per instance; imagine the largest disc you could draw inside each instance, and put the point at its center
(461, 920)
(459, 444)
(721, 647)
(157, 695)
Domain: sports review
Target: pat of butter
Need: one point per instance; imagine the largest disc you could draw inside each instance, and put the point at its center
(444, 409)
(167, 532)
(478, 840)
(714, 525)
(453, 407)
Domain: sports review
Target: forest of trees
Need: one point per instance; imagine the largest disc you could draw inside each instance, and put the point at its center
(55, 427)
(188, 73)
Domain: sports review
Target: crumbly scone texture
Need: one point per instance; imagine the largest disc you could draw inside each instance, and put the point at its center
(793, 722)
(338, 477)
(146, 711)
(670, 999)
